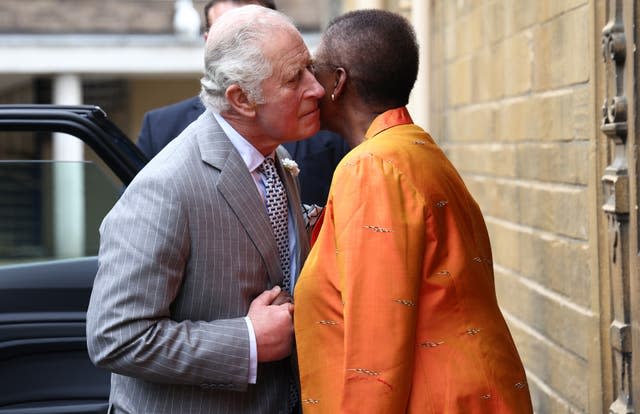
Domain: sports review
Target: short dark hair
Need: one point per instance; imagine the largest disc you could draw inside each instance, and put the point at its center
(379, 51)
(265, 3)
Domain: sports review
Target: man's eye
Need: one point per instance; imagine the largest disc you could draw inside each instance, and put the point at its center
(296, 77)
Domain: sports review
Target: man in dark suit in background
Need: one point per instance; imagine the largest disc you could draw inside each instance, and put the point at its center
(317, 156)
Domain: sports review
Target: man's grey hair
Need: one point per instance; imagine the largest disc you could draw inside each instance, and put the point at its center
(234, 54)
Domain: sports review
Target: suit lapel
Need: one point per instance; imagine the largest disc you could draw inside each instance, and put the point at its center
(218, 152)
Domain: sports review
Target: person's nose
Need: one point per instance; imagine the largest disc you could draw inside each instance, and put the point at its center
(315, 90)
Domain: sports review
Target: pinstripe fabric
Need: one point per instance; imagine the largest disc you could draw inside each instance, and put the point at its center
(182, 254)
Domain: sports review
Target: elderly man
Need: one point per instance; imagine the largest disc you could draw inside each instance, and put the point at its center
(317, 155)
(161, 125)
(186, 308)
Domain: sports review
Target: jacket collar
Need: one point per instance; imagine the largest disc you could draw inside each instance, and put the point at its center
(388, 119)
(217, 151)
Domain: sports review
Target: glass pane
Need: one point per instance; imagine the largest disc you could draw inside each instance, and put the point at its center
(50, 209)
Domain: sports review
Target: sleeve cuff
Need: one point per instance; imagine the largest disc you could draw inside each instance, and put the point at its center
(253, 353)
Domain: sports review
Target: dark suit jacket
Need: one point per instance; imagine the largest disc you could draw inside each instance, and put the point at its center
(161, 125)
(316, 156)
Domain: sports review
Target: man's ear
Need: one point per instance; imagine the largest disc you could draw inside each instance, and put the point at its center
(240, 102)
(340, 80)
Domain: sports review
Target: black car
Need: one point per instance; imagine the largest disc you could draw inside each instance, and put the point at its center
(50, 211)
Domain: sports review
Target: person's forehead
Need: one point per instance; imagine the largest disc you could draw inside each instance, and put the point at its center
(283, 40)
(287, 48)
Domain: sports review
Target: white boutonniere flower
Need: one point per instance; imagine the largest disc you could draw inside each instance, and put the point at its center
(291, 166)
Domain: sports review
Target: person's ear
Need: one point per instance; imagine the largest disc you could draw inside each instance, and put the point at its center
(339, 84)
(240, 102)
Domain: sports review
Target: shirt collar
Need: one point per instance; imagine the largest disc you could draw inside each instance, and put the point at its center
(249, 154)
(388, 119)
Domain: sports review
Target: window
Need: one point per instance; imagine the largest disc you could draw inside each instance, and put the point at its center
(50, 209)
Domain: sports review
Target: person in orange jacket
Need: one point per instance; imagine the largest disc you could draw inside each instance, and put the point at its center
(395, 308)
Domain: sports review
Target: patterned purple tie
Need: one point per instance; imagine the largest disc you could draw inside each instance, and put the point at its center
(276, 198)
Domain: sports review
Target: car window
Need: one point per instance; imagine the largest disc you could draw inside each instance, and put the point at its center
(50, 209)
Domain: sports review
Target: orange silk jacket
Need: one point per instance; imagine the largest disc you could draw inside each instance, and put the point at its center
(395, 308)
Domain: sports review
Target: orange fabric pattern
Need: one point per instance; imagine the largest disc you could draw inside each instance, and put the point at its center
(396, 310)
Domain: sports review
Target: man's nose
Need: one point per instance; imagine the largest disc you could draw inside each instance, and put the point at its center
(315, 89)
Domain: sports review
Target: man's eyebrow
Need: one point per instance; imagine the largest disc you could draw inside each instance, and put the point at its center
(300, 65)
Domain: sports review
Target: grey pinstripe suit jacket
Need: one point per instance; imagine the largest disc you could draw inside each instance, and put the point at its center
(182, 254)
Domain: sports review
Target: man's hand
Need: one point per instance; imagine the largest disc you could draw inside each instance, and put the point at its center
(272, 324)
(283, 297)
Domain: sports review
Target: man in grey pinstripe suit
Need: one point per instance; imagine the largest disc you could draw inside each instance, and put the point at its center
(185, 310)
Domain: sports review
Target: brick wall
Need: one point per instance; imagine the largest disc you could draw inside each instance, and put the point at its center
(512, 104)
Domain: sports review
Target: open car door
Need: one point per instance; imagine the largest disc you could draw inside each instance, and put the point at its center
(50, 212)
